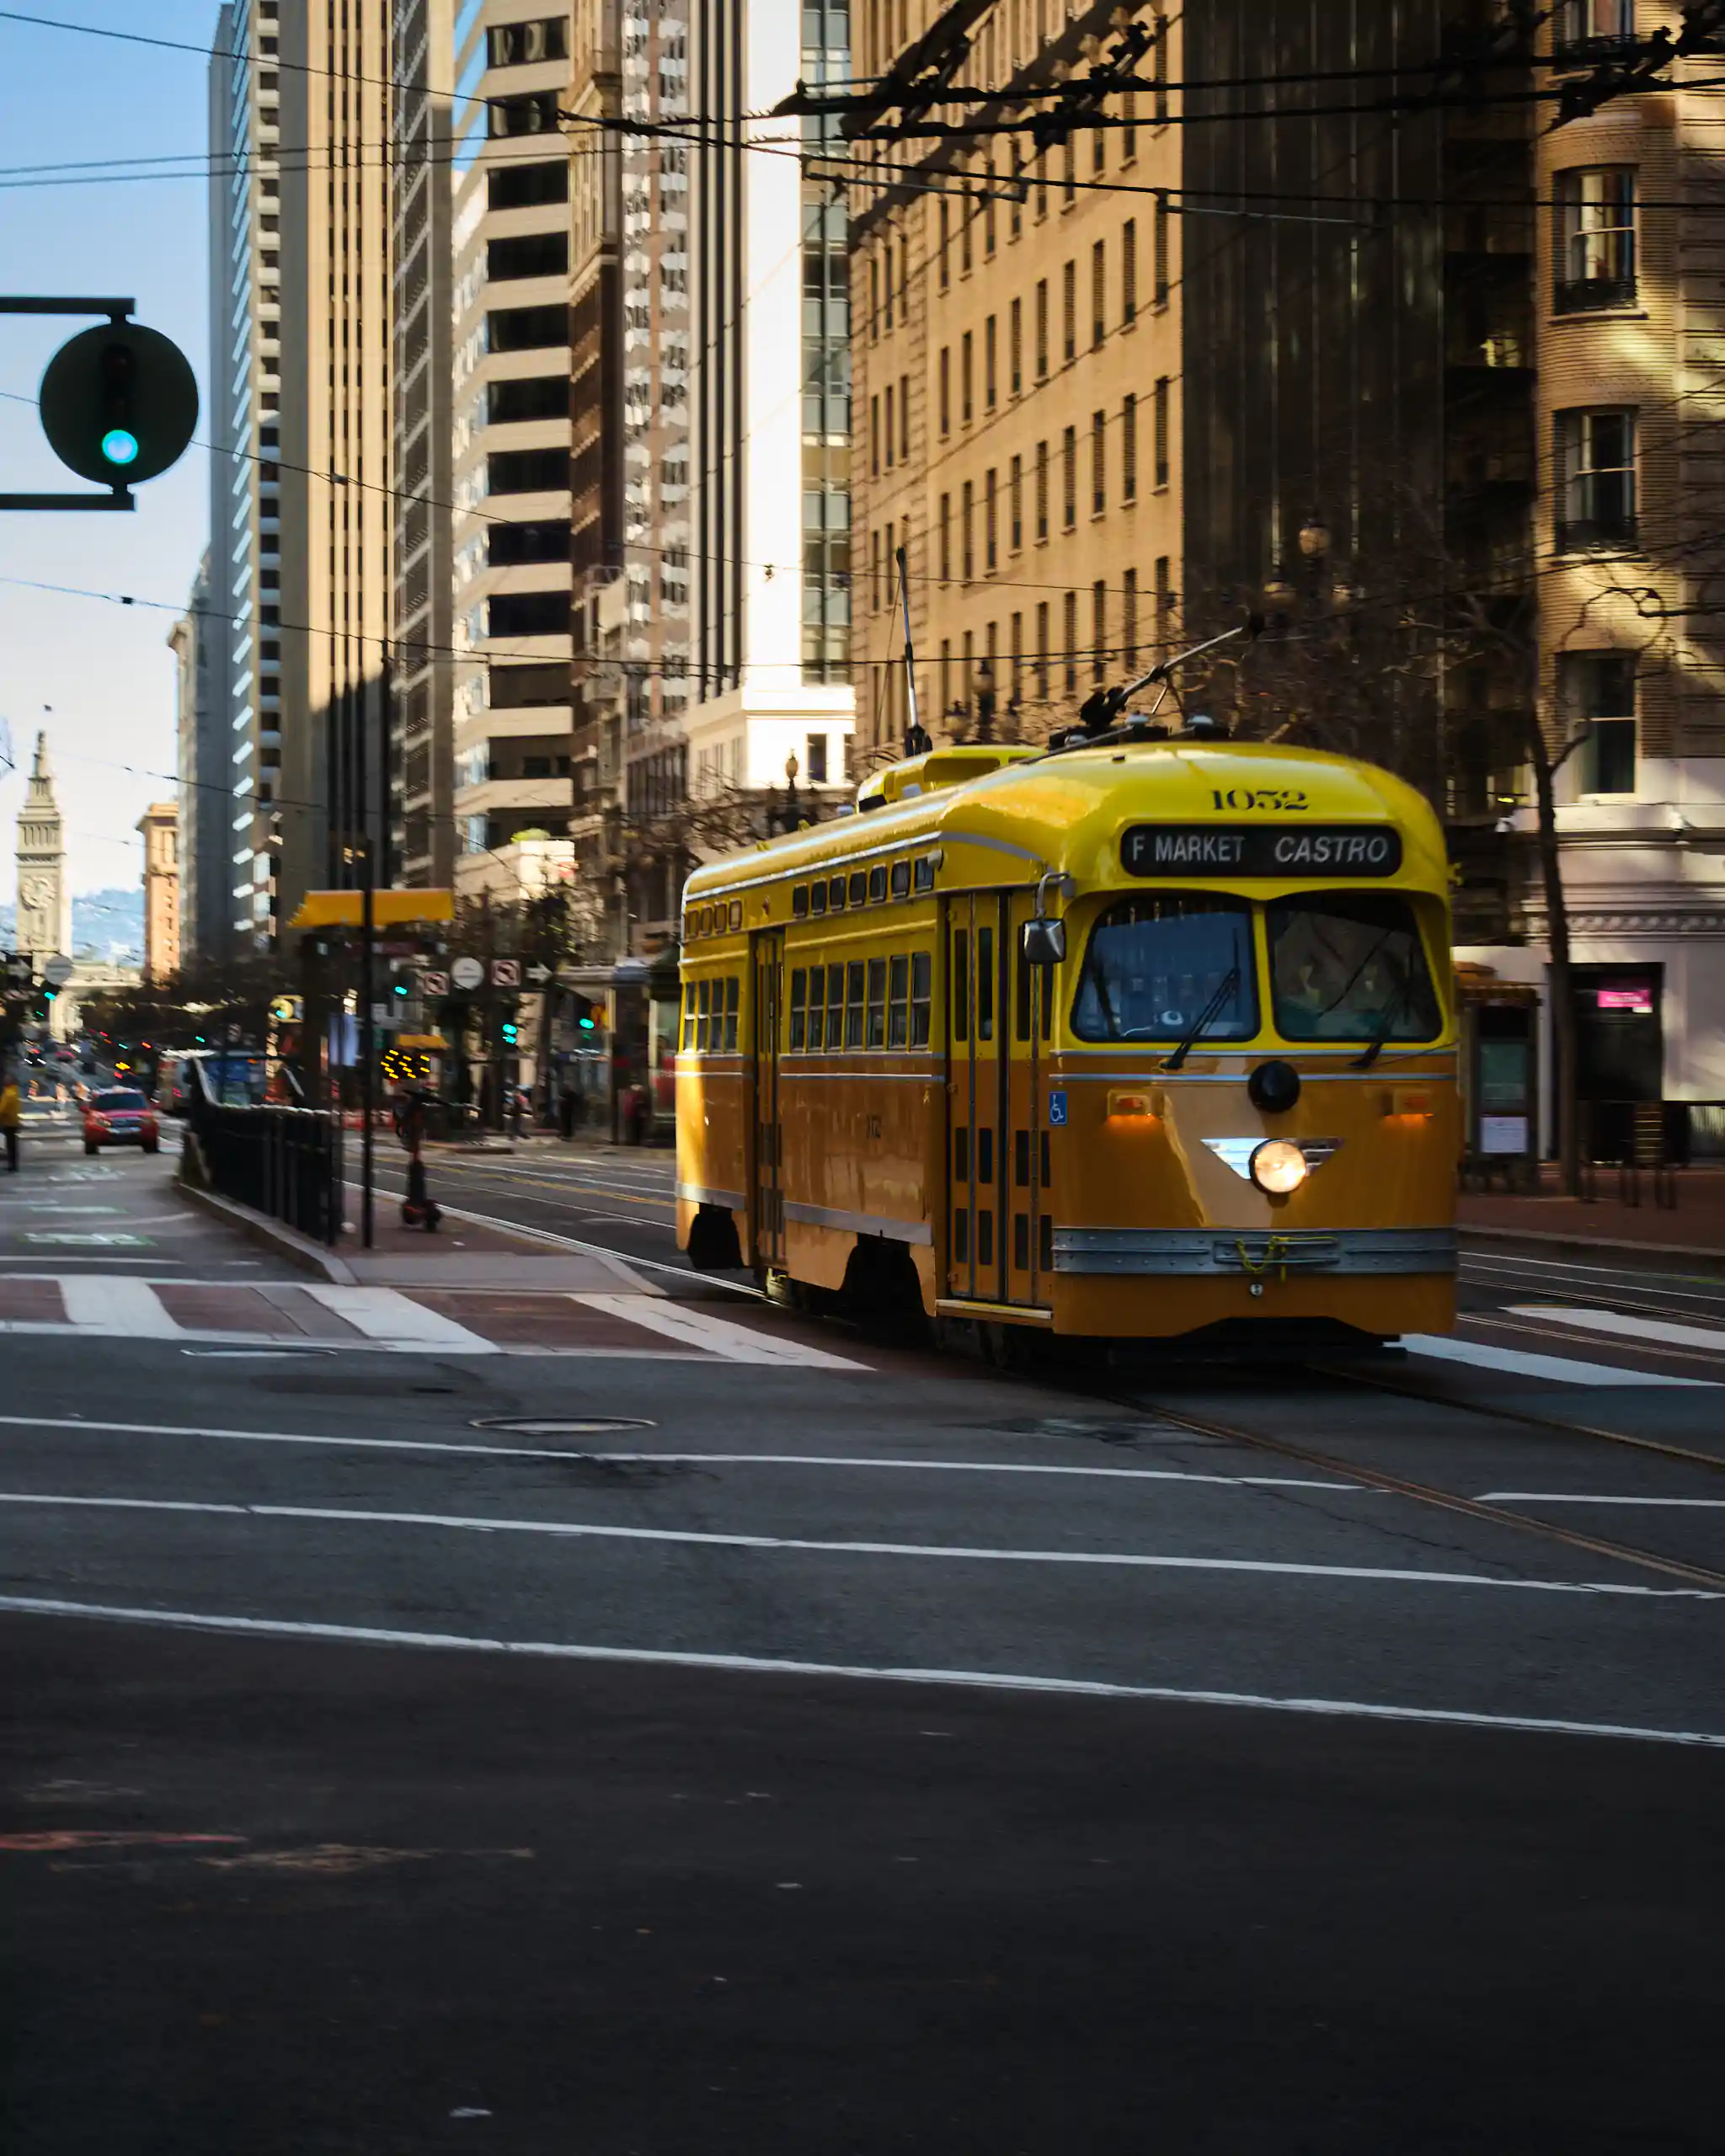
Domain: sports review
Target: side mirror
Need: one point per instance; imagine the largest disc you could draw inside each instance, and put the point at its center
(1043, 942)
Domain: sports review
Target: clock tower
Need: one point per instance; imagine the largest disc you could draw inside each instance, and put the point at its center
(44, 901)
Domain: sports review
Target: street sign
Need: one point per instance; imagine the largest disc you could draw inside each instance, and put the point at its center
(467, 974)
(58, 972)
(538, 975)
(505, 973)
(433, 984)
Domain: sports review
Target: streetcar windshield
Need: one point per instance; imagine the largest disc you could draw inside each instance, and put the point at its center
(1155, 964)
(1348, 966)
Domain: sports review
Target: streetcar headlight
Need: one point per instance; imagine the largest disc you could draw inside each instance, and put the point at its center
(1278, 1165)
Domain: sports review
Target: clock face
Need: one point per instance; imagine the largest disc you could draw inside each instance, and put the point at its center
(37, 892)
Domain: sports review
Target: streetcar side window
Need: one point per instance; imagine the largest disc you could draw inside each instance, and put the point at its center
(902, 879)
(985, 989)
(835, 1007)
(877, 1003)
(732, 991)
(800, 902)
(898, 1024)
(877, 884)
(853, 1004)
(921, 997)
(817, 1004)
(689, 1015)
(817, 900)
(835, 894)
(859, 887)
(701, 1010)
(961, 984)
(925, 873)
(799, 1005)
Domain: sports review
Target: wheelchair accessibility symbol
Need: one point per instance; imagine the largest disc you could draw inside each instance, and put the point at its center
(1056, 1110)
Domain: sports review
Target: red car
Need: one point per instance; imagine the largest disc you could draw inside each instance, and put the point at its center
(121, 1116)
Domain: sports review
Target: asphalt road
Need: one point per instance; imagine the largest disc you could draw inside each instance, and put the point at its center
(891, 1757)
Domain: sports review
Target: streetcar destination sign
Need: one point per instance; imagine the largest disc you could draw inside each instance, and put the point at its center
(1261, 850)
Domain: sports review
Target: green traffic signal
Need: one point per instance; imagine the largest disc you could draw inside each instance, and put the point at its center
(511, 1030)
(119, 403)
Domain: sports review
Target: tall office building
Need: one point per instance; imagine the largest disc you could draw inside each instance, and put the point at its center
(301, 314)
(532, 233)
(159, 828)
(767, 509)
(199, 643)
(422, 752)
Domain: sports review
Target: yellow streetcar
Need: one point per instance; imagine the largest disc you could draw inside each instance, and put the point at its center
(1119, 1040)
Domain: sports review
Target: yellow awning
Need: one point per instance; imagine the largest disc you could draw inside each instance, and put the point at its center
(389, 909)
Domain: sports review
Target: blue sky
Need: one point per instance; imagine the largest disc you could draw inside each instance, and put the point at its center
(105, 669)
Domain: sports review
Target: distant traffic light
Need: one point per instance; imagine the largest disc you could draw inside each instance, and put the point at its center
(401, 987)
(119, 403)
(511, 1032)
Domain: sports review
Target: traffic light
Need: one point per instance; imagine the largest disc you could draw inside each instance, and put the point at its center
(119, 403)
(511, 1032)
(587, 1016)
(401, 987)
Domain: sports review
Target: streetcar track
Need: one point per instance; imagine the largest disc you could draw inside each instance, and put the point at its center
(1697, 1575)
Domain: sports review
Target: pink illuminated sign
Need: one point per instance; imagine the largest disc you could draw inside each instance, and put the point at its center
(1638, 1001)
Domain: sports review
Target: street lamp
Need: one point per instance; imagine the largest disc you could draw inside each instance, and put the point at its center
(984, 701)
(1314, 540)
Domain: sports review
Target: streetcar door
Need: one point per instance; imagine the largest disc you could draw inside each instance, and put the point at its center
(976, 978)
(1027, 1216)
(769, 1206)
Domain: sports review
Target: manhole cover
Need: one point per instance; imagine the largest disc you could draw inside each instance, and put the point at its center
(588, 1426)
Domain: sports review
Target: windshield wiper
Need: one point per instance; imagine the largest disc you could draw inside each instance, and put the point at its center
(1225, 987)
(1387, 1025)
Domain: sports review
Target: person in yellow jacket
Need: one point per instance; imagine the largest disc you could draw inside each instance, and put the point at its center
(10, 1115)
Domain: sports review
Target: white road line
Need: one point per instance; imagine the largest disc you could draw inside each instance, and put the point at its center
(359, 1345)
(719, 1335)
(123, 1309)
(1556, 1368)
(1626, 1327)
(677, 1459)
(1133, 1561)
(384, 1314)
(1570, 1498)
(976, 1680)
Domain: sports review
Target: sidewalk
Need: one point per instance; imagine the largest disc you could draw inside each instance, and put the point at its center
(1555, 1223)
(464, 1253)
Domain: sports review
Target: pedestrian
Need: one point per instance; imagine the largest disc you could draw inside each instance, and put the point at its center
(11, 1113)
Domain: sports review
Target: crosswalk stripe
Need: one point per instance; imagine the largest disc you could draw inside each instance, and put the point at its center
(383, 1314)
(125, 1308)
(719, 1335)
(1624, 1326)
(1558, 1367)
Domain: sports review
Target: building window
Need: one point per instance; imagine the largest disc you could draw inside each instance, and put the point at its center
(1098, 462)
(1069, 477)
(990, 375)
(903, 418)
(1098, 293)
(1160, 250)
(874, 572)
(1042, 328)
(946, 538)
(946, 389)
(989, 521)
(1042, 649)
(1129, 133)
(967, 218)
(521, 44)
(1128, 271)
(968, 560)
(1595, 453)
(1099, 630)
(988, 224)
(1129, 450)
(874, 299)
(966, 352)
(1129, 621)
(1069, 282)
(1593, 255)
(1159, 68)
(890, 432)
(1164, 624)
(817, 759)
(1041, 490)
(1016, 343)
(946, 241)
(886, 263)
(1070, 174)
(1016, 508)
(1159, 428)
(1016, 222)
(874, 435)
(1596, 699)
(1069, 608)
(1592, 29)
